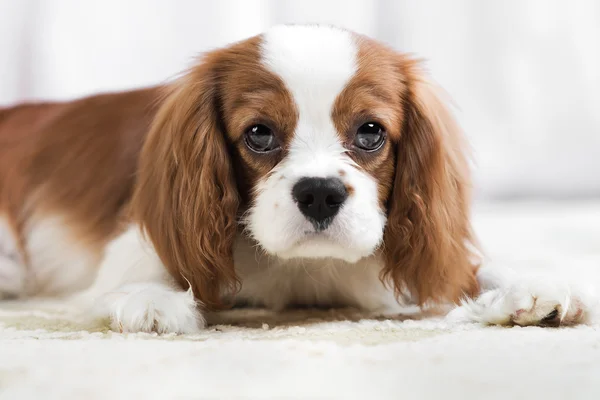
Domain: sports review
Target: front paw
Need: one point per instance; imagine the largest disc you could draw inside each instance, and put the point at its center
(554, 308)
(151, 307)
(533, 304)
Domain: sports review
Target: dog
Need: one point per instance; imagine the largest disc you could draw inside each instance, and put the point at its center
(308, 165)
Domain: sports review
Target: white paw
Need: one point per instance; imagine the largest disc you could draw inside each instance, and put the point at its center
(536, 303)
(152, 307)
(12, 278)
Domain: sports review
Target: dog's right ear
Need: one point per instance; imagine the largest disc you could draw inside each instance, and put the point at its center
(186, 198)
(428, 237)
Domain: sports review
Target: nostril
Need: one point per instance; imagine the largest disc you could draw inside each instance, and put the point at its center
(333, 201)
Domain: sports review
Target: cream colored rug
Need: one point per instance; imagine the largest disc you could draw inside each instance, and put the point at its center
(253, 354)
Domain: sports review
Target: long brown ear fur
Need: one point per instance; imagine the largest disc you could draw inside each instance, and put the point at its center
(186, 198)
(428, 237)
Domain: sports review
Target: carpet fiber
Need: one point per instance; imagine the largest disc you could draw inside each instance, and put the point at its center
(334, 354)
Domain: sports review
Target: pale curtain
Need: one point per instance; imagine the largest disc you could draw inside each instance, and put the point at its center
(525, 74)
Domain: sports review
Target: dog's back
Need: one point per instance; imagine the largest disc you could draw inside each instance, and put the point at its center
(80, 157)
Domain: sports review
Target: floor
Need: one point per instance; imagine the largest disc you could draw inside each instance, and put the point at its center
(340, 354)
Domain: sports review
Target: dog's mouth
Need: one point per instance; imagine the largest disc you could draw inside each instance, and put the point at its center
(315, 237)
(310, 236)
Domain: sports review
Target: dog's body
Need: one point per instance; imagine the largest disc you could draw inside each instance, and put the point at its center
(305, 166)
(52, 241)
(61, 207)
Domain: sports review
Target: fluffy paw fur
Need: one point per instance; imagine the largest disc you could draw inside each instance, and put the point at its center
(152, 307)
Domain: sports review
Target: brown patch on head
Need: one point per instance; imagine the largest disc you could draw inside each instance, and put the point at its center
(342, 173)
(374, 94)
(250, 94)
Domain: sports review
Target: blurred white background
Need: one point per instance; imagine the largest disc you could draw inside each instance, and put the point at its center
(525, 74)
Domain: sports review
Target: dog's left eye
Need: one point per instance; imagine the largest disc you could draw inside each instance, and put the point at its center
(369, 136)
(261, 139)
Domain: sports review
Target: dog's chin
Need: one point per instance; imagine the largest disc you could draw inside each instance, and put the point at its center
(318, 246)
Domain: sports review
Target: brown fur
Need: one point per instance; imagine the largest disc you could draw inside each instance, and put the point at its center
(75, 159)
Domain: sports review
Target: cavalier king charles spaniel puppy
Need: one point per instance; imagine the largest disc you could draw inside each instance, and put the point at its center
(306, 166)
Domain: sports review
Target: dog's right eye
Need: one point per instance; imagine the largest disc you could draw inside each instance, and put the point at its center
(369, 136)
(261, 139)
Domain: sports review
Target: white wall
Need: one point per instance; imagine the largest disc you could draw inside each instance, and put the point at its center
(525, 74)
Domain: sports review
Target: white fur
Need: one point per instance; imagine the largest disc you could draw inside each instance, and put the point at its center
(12, 278)
(277, 283)
(135, 291)
(8, 244)
(58, 262)
(315, 63)
(152, 307)
(510, 298)
(12, 273)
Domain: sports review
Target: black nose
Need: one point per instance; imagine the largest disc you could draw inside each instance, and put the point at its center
(319, 199)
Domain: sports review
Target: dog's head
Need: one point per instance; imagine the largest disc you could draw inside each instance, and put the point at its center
(317, 143)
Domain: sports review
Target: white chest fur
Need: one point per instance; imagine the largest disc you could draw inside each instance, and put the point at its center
(276, 283)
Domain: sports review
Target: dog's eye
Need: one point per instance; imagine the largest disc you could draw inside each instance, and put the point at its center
(369, 136)
(261, 139)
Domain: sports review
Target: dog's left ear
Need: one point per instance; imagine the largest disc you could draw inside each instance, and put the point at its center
(428, 239)
(186, 197)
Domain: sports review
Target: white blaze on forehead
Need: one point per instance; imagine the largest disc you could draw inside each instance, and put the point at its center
(311, 60)
(315, 63)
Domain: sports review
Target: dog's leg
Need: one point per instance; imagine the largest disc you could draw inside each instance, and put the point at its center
(134, 290)
(12, 272)
(12, 277)
(510, 298)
